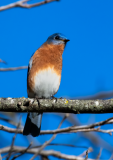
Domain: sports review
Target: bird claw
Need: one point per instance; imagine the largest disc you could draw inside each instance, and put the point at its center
(37, 99)
(54, 98)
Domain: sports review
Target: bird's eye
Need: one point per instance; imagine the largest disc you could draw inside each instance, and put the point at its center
(57, 37)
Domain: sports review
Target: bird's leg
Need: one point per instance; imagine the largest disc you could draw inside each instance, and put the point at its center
(54, 98)
(36, 97)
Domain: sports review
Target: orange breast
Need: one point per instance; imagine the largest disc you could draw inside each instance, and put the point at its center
(47, 56)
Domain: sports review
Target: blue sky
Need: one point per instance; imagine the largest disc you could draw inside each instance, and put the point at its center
(87, 59)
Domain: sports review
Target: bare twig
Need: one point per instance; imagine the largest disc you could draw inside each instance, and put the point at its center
(43, 146)
(5, 156)
(22, 152)
(43, 152)
(86, 158)
(73, 129)
(61, 144)
(10, 130)
(13, 68)
(9, 121)
(10, 151)
(94, 130)
(24, 4)
(99, 154)
(1, 61)
(92, 137)
(100, 95)
(20, 131)
(0, 157)
(107, 121)
(59, 131)
(49, 141)
(66, 115)
(84, 153)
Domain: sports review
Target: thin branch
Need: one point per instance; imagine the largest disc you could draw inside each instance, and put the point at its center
(13, 68)
(49, 141)
(10, 151)
(66, 115)
(69, 145)
(84, 153)
(43, 146)
(94, 130)
(24, 151)
(43, 153)
(0, 157)
(10, 130)
(5, 156)
(89, 135)
(1, 61)
(86, 158)
(99, 154)
(61, 144)
(9, 121)
(72, 129)
(59, 131)
(24, 4)
(100, 95)
(101, 123)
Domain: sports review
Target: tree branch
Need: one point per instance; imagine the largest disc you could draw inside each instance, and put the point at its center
(1, 61)
(43, 153)
(12, 144)
(99, 154)
(86, 158)
(23, 4)
(0, 157)
(100, 95)
(13, 68)
(56, 105)
(84, 153)
(47, 142)
(73, 129)
(24, 151)
(9, 121)
(63, 144)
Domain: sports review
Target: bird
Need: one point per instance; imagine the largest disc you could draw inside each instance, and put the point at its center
(44, 77)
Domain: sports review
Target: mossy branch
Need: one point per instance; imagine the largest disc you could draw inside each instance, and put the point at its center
(56, 105)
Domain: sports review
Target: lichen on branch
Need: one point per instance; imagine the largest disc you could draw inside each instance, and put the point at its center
(56, 105)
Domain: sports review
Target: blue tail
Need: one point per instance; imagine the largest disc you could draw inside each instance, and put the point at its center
(33, 124)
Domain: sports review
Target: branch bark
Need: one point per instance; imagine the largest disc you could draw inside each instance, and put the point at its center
(56, 105)
(44, 153)
(23, 4)
(73, 129)
(13, 68)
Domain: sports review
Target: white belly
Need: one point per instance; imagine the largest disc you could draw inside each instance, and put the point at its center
(46, 83)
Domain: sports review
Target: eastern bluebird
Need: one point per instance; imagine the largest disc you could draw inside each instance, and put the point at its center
(44, 76)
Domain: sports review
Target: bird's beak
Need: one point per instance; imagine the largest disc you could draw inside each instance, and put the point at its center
(66, 40)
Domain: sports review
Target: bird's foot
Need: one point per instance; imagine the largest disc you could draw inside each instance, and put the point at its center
(37, 99)
(54, 98)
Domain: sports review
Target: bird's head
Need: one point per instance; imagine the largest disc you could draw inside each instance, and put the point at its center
(57, 39)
